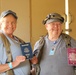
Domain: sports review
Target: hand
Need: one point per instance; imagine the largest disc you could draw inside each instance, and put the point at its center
(18, 60)
(34, 60)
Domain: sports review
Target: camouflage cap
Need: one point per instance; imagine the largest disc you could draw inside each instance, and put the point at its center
(52, 18)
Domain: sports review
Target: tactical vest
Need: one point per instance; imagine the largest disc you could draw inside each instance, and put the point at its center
(8, 51)
(65, 37)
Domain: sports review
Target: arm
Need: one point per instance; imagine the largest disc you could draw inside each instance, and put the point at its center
(5, 67)
(37, 47)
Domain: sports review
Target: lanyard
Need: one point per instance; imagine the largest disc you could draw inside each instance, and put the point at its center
(52, 50)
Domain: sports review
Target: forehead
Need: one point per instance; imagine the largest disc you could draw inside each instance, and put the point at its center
(56, 22)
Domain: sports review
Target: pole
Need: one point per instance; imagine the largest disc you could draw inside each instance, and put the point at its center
(67, 16)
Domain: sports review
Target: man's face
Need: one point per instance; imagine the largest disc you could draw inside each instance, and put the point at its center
(54, 28)
(8, 24)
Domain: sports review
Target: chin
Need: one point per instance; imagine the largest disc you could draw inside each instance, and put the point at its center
(10, 33)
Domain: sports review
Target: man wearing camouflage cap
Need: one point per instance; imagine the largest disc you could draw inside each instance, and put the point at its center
(53, 59)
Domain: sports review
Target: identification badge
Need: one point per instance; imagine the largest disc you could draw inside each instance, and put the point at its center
(51, 52)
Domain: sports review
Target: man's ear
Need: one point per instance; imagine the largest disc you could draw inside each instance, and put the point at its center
(46, 26)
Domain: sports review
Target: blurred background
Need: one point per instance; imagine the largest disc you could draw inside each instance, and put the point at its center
(32, 12)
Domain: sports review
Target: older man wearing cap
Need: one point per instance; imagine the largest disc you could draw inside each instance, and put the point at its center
(17, 65)
(51, 49)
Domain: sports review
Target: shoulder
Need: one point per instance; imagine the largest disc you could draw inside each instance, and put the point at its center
(19, 39)
(41, 39)
(68, 38)
(39, 43)
(73, 42)
(65, 35)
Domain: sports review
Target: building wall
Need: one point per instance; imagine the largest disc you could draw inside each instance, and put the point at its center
(39, 10)
(32, 12)
(72, 11)
(22, 8)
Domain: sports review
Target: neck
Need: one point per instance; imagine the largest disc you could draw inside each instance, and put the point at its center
(11, 36)
(53, 38)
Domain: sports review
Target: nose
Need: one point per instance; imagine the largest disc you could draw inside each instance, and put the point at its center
(56, 25)
(10, 24)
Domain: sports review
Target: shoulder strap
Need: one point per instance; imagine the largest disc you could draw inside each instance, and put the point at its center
(8, 52)
(20, 40)
(67, 39)
(7, 46)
